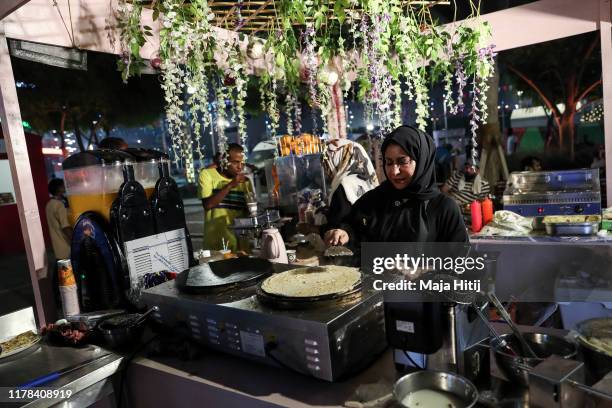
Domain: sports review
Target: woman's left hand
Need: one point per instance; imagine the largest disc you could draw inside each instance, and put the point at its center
(336, 237)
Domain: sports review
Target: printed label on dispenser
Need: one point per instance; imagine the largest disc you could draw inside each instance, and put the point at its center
(161, 252)
(252, 343)
(406, 327)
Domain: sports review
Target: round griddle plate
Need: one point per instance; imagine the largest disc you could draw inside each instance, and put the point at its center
(221, 275)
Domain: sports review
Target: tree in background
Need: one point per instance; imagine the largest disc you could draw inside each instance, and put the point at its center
(85, 101)
(562, 71)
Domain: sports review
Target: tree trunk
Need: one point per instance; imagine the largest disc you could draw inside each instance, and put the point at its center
(493, 163)
(77, 133)
(61, 132)
(93, 136)
(567, 131)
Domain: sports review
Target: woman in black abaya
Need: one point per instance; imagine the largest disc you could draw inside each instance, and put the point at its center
(407, 207)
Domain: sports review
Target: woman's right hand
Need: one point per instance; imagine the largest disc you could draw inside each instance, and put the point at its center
(336, 237)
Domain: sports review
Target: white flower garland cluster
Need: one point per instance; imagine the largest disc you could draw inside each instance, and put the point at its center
(173, 79)
(413, 71)
(197, 89)
(220, 123)
(485, 66)
(273, 105)
(185, 40)
(290, 105)
(236, 70)
(397, 106)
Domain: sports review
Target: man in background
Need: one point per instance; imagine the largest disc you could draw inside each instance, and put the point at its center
(57, 220)
(531, 163)
(60, 229)
(224, 192)
(467, 186)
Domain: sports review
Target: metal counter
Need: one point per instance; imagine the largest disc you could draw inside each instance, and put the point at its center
(43, 359)
(542, 237)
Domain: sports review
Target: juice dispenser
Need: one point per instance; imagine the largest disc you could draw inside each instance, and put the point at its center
(146, 167)
(92, 179)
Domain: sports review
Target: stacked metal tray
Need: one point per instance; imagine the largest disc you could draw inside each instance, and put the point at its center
(573, 225)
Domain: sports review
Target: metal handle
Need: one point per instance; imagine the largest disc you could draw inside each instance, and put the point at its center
(515, 330)
(40, 380)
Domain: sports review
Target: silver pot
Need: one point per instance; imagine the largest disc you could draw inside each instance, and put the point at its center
(516, 368)
(598, 362)
(454, 384)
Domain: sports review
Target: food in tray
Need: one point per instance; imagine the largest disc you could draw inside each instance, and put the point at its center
(602, 344)
(18, 342)
(432, 398)
(570, 219)
(598, 334)
(313, 281)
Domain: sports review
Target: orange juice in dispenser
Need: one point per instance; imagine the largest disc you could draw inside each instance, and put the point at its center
(92, 180)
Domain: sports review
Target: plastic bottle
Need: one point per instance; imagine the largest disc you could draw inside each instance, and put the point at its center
(68, 288)
(476, 212)
(487, 210)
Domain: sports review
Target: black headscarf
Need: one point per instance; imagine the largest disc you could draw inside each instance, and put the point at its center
(421, 148)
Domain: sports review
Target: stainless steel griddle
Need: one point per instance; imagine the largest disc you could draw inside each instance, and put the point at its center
(328, 340)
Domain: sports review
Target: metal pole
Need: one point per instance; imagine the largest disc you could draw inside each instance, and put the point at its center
(445, 119)
(21, 173)
(605, 27)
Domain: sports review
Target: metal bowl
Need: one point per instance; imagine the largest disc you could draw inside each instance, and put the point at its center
(451, 383)
(597, 361)
(117, 337)
(517, 368)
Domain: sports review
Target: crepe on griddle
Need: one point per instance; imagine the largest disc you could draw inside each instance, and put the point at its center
(20, 341)
(311, 282)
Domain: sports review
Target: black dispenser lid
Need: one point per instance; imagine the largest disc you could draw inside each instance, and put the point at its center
(143, 155)
(96, 157)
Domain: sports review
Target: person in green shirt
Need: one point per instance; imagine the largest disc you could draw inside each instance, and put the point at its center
(224, 192)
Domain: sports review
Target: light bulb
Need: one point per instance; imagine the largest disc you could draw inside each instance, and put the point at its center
(332, 78)
(256, 50)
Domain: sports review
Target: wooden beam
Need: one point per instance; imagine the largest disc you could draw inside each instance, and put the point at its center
(8, 6)
(262, 12)
(543, 20)
(233, 3)
(21, 173)
(261, 27)
(259, 10)
(230, 12)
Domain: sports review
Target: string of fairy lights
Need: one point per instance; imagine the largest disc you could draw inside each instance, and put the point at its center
(595, 115)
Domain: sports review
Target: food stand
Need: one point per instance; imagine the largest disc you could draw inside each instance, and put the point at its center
(238, 323)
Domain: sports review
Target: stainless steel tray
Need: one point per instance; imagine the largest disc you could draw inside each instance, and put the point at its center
(572, 228)
(21, 349)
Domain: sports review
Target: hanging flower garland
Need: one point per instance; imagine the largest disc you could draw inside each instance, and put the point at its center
(236, 71)
(273, 106)
(171, 48)
(392, 46)
(132, 36)
(290, 106)
(311, 64)
(186, 46)
(221, 121)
